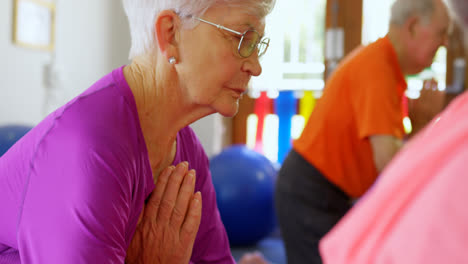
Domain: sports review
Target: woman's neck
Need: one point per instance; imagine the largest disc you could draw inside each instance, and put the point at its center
(155, 112)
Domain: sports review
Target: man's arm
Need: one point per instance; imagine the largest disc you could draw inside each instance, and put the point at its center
(384, 147)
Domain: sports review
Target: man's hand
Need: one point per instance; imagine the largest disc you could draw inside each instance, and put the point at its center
(253, 258)
(430, 103)
(169, 221)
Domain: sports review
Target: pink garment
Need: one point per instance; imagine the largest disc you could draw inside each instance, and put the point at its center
(416, 212)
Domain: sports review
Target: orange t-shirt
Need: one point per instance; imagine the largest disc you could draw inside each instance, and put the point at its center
(361, 98)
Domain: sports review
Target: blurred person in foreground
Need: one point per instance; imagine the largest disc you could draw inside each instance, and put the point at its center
(110, 176)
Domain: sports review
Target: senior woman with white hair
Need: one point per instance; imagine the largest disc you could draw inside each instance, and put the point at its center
(73, 190)
(416, 211)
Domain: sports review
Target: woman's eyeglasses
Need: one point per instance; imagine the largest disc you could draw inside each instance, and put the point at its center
(250, 40)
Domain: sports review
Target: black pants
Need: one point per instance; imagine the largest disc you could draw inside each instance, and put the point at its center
(308, 206)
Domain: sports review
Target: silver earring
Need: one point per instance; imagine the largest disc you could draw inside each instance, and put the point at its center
(172, 60)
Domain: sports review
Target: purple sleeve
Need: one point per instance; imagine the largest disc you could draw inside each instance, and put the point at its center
(211, 244)
(78, 180)
(76, 208)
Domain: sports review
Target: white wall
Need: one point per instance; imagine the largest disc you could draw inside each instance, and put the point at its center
(21, 90)
(92, 38)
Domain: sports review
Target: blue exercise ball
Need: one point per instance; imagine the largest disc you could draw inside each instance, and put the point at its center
(244, 183)
(9, 134)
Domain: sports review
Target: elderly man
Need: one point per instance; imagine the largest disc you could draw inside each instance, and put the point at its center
(415, 213)
(356, 128)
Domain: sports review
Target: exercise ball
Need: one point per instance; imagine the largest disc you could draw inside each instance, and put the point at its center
(244, 183)
(9, 134)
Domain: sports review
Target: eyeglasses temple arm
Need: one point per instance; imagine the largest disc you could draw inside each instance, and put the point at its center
(219, 26)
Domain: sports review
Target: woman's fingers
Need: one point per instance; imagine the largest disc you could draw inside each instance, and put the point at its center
(154, 201)
(183, 199)
(191, 223)
(171, 218)
(171, 192)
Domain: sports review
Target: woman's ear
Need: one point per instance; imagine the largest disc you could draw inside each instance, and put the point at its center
(166, 29)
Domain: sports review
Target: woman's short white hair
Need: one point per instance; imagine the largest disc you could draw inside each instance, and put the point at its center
(403, 9)
(142, 15)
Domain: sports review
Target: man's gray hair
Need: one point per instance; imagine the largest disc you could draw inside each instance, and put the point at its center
(404, 9)
(142, 15)
(459, 8)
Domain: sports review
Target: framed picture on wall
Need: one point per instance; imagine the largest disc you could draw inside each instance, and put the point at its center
(34, 23)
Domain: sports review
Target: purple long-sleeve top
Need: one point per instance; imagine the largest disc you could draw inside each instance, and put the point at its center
(72, 189)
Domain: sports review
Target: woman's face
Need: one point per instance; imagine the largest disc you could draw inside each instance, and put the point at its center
(211, 71)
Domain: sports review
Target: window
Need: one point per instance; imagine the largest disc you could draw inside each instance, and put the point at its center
(294, 60)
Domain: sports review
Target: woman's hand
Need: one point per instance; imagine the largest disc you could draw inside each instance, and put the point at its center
(169, 221)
